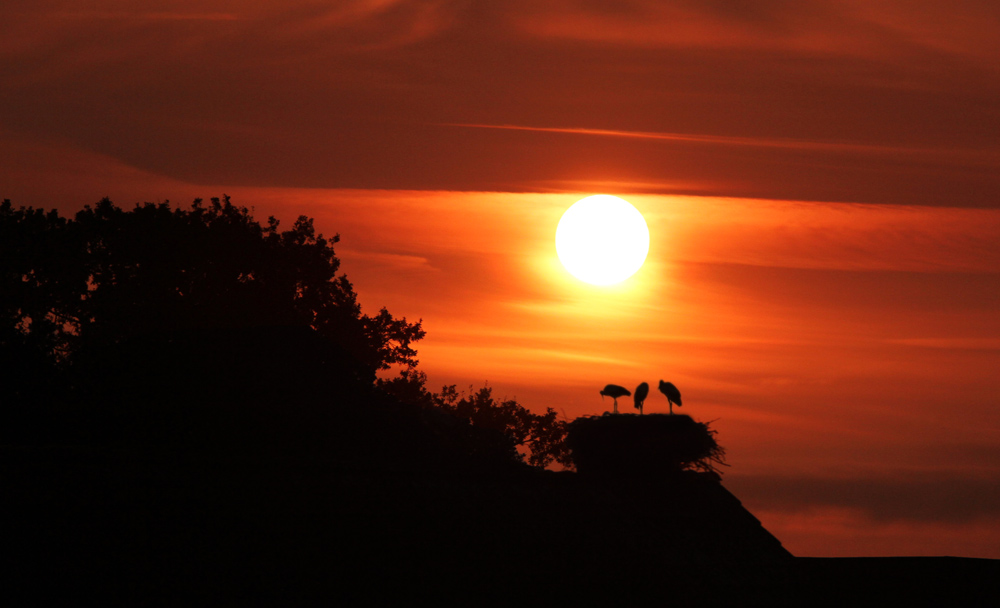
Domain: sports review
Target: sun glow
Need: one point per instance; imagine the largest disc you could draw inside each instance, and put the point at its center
(602, 240)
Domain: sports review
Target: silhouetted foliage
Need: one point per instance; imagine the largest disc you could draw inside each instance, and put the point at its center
(622, 444)
(162, 307)
(541, 435)
(155, 269)
(39, 294)
(41, 280)
(203, 326)
(181, 350)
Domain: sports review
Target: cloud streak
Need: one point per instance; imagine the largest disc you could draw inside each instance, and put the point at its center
(348, 95)
(944, 498)
(985, 157)
(889, 29)
(145, 16)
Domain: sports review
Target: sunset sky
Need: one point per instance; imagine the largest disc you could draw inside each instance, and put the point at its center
(821, 183)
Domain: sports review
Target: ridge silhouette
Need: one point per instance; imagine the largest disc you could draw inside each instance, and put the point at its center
(192, 414)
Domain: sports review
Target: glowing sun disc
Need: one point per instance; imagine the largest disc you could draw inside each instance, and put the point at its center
(602, 240)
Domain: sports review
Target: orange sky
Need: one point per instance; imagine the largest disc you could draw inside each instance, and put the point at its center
(819, 182)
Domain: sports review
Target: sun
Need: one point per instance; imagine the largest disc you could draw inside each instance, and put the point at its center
(602, 240)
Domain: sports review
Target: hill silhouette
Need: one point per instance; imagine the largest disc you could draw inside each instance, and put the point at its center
(192, 415)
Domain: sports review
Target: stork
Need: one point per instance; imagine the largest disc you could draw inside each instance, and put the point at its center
(641, 392)
(614, 391)
(672, 394)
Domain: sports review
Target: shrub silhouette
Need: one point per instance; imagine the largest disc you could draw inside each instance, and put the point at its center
(541, 436)
(626, 444)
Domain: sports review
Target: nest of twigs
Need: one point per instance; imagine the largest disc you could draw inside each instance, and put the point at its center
(629, 444)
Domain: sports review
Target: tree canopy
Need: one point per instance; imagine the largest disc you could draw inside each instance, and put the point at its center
(174, 307)
(537, 438)
(167, 317)
(111, 275)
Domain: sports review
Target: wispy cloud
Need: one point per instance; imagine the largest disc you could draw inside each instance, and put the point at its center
(892, 28)
(827, 236)
(144, 15)
(844, 532)
(975, 344)
(383, 261)
(989, 157)
(925, 496)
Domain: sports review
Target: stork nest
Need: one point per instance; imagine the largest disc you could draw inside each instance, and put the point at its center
(630, 444)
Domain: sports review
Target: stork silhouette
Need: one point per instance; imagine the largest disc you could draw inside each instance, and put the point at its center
(641, 392)
(614, 391)
(672, 394)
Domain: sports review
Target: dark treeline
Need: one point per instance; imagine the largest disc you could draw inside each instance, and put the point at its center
(202, 328)
(195, 410)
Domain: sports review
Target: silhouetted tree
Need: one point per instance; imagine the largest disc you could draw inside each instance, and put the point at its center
(160, 323)
(541, 435)
(163, 304)
(113, 274)
(40, 289)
